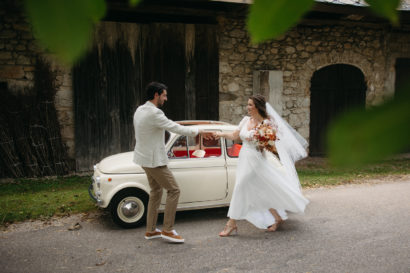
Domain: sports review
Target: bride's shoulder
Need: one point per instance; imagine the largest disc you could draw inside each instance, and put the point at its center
(244, 120)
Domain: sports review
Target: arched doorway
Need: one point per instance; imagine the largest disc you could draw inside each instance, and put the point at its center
(402, 68)
(334, 89)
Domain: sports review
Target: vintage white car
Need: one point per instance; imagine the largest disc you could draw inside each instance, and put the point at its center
(204, 170)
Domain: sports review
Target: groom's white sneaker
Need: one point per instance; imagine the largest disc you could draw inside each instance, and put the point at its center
(172, 236)
(152, 235)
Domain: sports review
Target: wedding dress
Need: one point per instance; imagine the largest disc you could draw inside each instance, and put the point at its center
(263, 181)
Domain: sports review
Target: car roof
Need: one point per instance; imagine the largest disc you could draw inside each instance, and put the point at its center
(201, 122)
(208, 124)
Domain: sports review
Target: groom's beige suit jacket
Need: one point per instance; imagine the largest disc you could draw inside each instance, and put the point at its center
(150, 124)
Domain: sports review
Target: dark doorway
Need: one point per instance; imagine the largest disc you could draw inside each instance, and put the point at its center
(402, 76)
(334, 89)
(109, 85)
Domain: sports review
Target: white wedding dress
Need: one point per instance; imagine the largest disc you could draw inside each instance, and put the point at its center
(263, 182)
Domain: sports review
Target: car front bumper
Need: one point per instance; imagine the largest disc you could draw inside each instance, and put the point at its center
(91, 192)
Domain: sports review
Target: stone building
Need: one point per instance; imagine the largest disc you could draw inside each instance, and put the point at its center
(340, 55)
(317, 69)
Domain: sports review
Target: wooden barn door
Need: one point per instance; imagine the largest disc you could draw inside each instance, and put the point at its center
(164, 61)
(206, 74)
(334, 89)
(109, 84)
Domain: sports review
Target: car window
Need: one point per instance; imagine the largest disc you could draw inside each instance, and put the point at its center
(195, 147)
(232, 148)
(199, 147)
(179, 149)
(212, 147)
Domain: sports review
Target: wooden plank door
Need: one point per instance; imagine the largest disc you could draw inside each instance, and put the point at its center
(109, 84)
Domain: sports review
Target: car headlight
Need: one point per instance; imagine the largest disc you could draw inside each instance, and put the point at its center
(98, 179)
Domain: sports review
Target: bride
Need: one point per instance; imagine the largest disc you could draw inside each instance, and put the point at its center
(267, 184)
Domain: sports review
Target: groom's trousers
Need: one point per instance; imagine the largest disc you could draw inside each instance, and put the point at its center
(160, 178)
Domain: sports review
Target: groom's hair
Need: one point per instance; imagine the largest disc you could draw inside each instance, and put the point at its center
(154, 87)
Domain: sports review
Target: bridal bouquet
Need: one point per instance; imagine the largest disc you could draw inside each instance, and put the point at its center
(265, 136)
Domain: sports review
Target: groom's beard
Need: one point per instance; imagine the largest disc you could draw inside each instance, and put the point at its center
(160, 104)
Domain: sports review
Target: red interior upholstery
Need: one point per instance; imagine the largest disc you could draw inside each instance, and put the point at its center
(208, 152)
(234, 150)
(180, 153)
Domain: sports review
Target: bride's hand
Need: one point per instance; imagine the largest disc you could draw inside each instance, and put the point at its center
(255, 133)
(252, 135)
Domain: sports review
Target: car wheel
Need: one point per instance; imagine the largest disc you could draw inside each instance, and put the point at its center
(129, 208)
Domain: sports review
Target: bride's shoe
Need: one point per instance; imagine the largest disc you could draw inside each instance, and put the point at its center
(228, 230)
(275, 226)
(278, 221)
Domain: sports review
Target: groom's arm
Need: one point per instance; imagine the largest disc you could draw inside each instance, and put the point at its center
(161, 121)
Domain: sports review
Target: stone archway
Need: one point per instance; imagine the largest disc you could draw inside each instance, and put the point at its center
(334, 89)
(321, 60)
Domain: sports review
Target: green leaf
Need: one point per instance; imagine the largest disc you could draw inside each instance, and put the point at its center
(386, 8)
(64, 27)
(362, 137)
(133, 3)
(270, 18)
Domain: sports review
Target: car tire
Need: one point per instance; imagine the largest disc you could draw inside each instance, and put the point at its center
(129, 208)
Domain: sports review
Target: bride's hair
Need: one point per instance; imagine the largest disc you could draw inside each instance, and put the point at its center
(260, 104)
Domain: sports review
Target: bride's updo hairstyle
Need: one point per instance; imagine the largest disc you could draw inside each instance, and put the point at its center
(260, 104)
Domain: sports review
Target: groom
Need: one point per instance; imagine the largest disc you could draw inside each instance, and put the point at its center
(150, 124)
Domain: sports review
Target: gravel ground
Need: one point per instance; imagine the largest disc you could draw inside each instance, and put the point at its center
(349, 228)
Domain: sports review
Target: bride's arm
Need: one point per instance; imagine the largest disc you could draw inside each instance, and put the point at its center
(232, 136)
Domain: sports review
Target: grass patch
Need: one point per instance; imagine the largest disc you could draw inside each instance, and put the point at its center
(317, 173)
(24, 199)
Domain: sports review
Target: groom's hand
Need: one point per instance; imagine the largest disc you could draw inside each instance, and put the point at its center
(206, 135)
(216, 135)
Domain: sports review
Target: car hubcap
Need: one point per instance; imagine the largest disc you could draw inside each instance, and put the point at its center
(130, 209)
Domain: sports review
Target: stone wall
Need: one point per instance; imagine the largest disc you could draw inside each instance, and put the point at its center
(17, 49)
(18, 54)
(298, 54)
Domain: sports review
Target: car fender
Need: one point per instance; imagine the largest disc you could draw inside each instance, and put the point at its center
(125, 185)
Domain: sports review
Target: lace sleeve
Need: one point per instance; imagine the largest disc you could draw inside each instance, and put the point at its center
(243, 122)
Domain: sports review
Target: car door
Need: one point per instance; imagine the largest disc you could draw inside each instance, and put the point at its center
(232, 149)
(201, 177)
